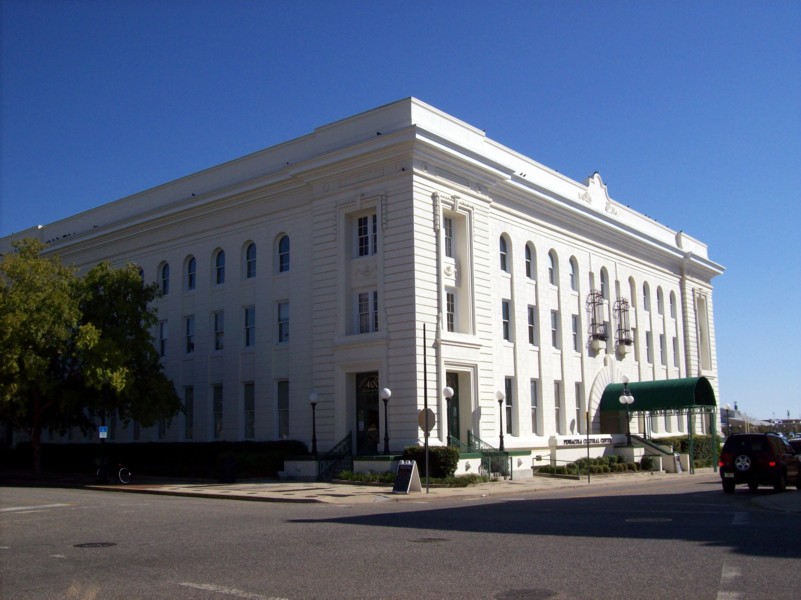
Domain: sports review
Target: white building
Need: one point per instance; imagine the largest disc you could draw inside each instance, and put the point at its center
(315, 265)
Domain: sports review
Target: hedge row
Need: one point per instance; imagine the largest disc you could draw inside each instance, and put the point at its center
(210, 460)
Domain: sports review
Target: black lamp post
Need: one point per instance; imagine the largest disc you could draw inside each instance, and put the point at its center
(385, 394)
(501, 397)
(448, 393)
(626, 399)
(313, 399)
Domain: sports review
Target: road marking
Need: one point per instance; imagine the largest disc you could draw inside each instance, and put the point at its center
(23, 508)
(221, 589)
(728, 577)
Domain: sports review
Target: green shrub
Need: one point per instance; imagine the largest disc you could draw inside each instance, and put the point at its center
(442, 460)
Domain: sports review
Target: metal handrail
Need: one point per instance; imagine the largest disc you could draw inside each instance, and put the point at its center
(328, 461)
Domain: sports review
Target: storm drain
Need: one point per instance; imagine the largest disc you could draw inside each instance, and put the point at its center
(95, 545)
(429, 540)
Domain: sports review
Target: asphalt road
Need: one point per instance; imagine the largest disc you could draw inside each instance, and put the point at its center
(663, 539)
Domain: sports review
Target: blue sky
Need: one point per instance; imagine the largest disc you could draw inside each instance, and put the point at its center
(691, 112)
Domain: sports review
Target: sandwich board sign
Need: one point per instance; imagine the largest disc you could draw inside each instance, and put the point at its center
(407, 479)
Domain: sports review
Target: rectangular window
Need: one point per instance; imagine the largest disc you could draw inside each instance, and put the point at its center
(367, 235)
(675, 352)
(217, 395)
(532, 325)
(282, 396)
(448, 228)
(509, 388)
(535, 404)
(505, 316)
(189, 412)
(250, 326)
(557, 407)
(283, 322)
(162, 338)
(662, 349)
(574, 322)
(189, 328)
(555, 329)
(219, 330)
(250, 410)
(580, 420)
(649, 347)
(367, 307)
(450, 311)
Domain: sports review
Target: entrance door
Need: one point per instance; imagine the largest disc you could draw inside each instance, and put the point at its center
(452, 380)
(367, 416)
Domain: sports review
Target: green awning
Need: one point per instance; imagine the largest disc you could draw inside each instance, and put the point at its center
(665, 395)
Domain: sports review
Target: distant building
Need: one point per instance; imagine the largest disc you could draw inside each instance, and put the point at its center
(312, 267)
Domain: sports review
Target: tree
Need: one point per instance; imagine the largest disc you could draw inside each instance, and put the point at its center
(72, 348)
(122, 372)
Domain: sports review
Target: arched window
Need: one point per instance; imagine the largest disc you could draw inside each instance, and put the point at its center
(573, 274)
(191, 273)
(283, 254)
(672, 305)
(646, 297)
(660, 301)
(164, 273)
(504, 255)
(633, 292)
(553, 269)
(531, 266)
(219, 267)
(250, 261)
(604, 283)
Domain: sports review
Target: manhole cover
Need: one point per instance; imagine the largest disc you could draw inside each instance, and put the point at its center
(96, 545)
(429, 540)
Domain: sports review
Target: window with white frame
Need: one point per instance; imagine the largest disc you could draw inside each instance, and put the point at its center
(557, 407)
(218, 323)
(250, 261)
(675, 351)
(573, 275)
(366, 235)
(555, 341)
(580, 421)
(574, 323)
(532, 325)
(165, 278)
(535, 405)
(283, 322)
(219, 267)
(662, 349)
(660, 301)
(553, 269)
(531, 266)
(649, 347)
(283, 254)
(503, 254)
(163, 332)
(604, 284)
(509, 389)
(447, 227)
(189, 333)
(250, 326)
(506, 320)
(672, 305)
(450, 311)
(191, 273)
(367, 311)
(646, 297)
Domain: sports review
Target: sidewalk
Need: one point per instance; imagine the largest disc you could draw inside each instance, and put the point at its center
(347, 493)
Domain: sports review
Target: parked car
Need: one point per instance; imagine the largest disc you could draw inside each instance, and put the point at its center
(759, 459)
(796, 445)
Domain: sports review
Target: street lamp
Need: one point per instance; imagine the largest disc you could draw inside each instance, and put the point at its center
(313, 401)
(501, 397)
(626, 399)
(448, 393)
(385, 394)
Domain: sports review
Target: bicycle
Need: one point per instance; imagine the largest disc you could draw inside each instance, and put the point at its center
(111, 474)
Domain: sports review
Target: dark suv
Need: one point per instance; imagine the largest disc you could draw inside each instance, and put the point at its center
(759, 459)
